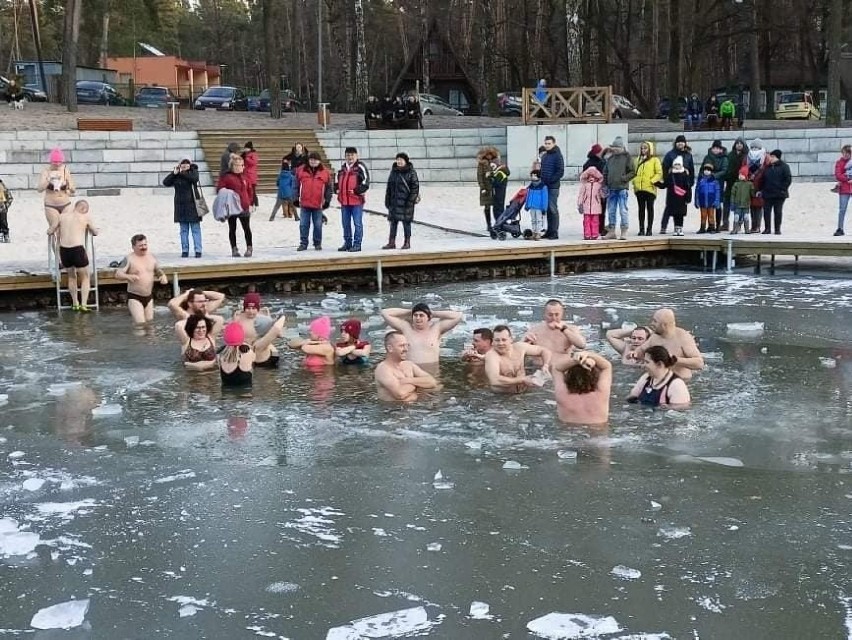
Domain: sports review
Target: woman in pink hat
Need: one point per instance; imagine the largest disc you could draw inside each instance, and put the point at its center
(318, 350)
(57, 185)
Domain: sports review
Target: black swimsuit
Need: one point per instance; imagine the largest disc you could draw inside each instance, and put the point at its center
(270, 363)
(652, 396)
(236, 378)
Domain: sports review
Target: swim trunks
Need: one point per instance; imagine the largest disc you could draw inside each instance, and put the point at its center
(143, 300)
(73, 257)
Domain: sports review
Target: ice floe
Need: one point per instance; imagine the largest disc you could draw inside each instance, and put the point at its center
(65, 615)
(393, 624)
(568, 626)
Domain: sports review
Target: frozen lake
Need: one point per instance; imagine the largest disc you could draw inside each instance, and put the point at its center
(182, 512)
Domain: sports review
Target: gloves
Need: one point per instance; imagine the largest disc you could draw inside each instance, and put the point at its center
(580, 209)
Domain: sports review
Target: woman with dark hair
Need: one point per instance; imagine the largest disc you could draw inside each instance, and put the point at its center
(236, 181)
(660, 386)
(581, 384)
(198, 346)
(297, 157)
(250, 159)
(401, 194)
(184, 180)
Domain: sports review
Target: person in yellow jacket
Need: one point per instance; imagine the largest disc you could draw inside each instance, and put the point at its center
(649, 174)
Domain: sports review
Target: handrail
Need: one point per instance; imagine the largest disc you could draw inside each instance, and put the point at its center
(569, 104)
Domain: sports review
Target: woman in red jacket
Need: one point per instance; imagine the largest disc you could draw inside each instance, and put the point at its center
(250, 158)
(843, 175)
(235, 179)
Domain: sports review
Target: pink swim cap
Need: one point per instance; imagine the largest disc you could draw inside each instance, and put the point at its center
(234, 334)
(56, 156)
(321, 327)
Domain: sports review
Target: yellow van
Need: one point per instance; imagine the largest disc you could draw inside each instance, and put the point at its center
(798, 105)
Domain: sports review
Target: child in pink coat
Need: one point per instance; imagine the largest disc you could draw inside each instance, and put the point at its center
(589, 202)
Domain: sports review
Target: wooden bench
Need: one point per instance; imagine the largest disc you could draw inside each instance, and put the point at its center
(373, 124)
(104, 124)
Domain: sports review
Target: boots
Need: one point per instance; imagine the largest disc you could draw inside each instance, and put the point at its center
(486, 211)
(406, 244)
(248, 252)
(235, 253)
(623, 235)
(737, 226)
(391, 243)
(610, 235)
(678, 231)
(703, 229)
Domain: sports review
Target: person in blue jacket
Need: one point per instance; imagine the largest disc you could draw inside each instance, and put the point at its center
(552, 170)
(536, 203)
(286, 191)
(708, 196)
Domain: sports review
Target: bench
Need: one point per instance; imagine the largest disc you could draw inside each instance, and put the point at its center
(104, 124)
(373, 124)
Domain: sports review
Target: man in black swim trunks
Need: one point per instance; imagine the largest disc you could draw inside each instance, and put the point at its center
(72, 227)
(139, 273)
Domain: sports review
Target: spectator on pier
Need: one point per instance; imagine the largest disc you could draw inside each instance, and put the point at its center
(843, 175)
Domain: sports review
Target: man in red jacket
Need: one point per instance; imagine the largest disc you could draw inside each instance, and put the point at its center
(313, 194)
(353, 180)
(843, 175)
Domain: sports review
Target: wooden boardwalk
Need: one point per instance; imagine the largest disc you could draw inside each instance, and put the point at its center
(717, 250)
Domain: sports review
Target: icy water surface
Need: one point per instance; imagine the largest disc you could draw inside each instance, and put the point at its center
(306, 510)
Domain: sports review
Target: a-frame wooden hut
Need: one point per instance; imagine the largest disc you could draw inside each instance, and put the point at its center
(448, 77)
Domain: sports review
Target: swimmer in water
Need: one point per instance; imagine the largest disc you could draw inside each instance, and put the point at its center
(505, 363)
(256, 321)
(198, 346)
(236, 362)
(194, 301)
(582, 382)
(660, 385)
(398, 379)
(678, 342)
(350, 349)
(423, 330)
(553, 333)
(318, 350)
(626, 341)
(474, 353)
(139, 271)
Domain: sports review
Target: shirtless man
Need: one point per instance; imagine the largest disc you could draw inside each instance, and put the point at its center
(256, 322)
(582, 383)
(397, 379)
(554, 334)
(626, 341)
(72, 226)
(474, 353)
(194, 302)
(678, 342)
(505, 363)
(423, 335)
(138, 272)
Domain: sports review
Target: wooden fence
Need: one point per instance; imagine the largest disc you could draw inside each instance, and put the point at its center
(571, 104)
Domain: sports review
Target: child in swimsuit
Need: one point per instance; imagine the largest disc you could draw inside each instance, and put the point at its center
(350, 349)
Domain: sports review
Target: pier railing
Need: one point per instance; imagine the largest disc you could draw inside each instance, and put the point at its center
(571, 104)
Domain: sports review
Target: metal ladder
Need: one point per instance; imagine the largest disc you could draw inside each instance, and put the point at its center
(56, 271)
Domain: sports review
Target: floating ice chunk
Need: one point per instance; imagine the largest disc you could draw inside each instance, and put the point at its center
(330, 303)
(479, 611)
(674, 533)
(434, 546)
(610, 311)
(606, 325)
(61, 388)
(385, 625)
(106, 410)
(18, 543)
(65, 615)
(8, 525)
(131, 441)
(764, 350)
(64, 509)
(625, 573)
(745, 328)
(725, 462)
(541, 377)
(473, 444)
(188, 610)
(568, 455)
(568, 626)
(628, 326)
(282, 587)
(828, 363)
(525, 312)
(33, 484)
(656, 506)
(439, 482)
(4, 398)
(381, 533)
(514, 465)
(16, 455)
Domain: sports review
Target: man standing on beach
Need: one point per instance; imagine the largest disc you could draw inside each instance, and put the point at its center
(139, 271)
(73, 225)
(423, 335)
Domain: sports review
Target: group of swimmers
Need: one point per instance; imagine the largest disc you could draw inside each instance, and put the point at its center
(554, 348)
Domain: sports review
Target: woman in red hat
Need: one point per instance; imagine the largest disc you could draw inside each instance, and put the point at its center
(350, 348)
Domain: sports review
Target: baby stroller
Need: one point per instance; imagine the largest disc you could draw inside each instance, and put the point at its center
(510, 220)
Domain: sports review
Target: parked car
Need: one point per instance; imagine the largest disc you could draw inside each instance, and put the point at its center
(222, 99)
(91, 92)
(154, 97)
(622, 108)
(664, 108)
(253, 103)
(31, 92)
(798, 105)
(431, 104)
(509, 103)
(289, 102)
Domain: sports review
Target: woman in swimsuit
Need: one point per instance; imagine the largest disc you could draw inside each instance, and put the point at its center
(319, 352)
(236, 361)
(58, 187)
(198, 344)
(350, 349)
(660, 386)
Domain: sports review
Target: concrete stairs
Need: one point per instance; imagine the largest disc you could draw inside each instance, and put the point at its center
(271, 146)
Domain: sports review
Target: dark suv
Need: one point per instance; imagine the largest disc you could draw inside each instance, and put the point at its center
(222, 99)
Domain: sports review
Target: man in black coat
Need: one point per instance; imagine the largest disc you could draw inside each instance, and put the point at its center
(775, 189)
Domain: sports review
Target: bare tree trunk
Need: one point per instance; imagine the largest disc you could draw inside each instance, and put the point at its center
(586, 44)
(362, 76)
(653, 55)
(754, 57)
(273, 57)
(538, 45)
(835, 35)
(424, 29)
(675, 60)
(403, 37)
(573, 43)
(71, 34)
(104, 53)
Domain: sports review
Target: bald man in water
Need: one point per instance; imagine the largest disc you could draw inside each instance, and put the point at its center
(678, 342)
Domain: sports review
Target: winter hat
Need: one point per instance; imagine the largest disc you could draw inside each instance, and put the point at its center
(707, 166)
(313, 155)
(402, 155)
(717, 144)
(350, 150)
(596, 149)
(352, 327)
(618, 143)
(678, 164)
(756, 143)
(744, 172)
(423, 308)
(321, 327)
(56, 156)
(777, 153)
(680, 138)
(234, 334)
(251, 299)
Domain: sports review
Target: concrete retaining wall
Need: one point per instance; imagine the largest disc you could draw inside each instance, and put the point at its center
(811, 153)
(99, 159)
(439, 155)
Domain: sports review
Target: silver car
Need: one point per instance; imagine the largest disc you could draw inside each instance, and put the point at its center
(431, 104)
